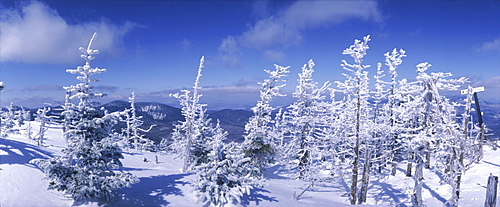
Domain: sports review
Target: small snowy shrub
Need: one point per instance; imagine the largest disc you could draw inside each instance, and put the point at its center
(223, 178)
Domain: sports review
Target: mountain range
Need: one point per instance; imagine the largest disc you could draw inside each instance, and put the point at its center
(165, 117)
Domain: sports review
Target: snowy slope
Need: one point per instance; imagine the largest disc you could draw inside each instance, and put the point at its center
(162, 184)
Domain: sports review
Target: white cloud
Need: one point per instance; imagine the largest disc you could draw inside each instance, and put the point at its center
(490, 46)
(230, 52)
(46, 87)
(33, 102)
(274, 55)
(286, 28)
(36, 33)
(105, 88)
(186, 44)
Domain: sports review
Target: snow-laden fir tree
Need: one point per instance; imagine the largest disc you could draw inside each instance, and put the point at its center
(8, 121)
(85, 171)
(133, 133)
(332, 133)
(303, 120)
(356, 85)
(22, 116)
(191, 135)
(222, 178)
(392, 61)
(258, 145)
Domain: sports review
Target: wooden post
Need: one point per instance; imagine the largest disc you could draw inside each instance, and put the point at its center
(491, 191)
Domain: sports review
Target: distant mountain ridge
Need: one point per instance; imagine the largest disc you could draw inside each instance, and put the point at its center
(166, 117)
(234, 120)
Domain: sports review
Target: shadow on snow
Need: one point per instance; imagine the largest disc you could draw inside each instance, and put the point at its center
(257, 197)
(150, 191)
(15, 152)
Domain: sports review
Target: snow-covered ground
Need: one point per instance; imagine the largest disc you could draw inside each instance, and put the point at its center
(162, 184)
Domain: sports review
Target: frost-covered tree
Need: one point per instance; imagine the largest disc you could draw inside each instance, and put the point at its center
(133, 131)
(22, 116)
(258, 145)
(85, 171)
(8, 121)
(392, 61)
(431, 126)
(303, 120)
(356, 85)
(222, 178)
(43, 118)
(191, 135)
(332, 133)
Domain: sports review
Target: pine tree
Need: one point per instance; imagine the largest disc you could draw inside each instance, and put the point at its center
(393, 60)
(191, 135)
(8, 121)
(257, 145)
(303, 118)
(22, 116)
(332, 133)
(85, 171)
(222, 178)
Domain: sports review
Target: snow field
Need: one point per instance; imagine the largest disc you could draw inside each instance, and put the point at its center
(162, 184)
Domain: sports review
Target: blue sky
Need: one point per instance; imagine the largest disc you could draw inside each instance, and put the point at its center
(154, 47)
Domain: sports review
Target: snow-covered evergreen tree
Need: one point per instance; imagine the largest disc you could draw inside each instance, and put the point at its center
(22, 116)
(393, 60)
(332, 133)
(191, 135)
(85, 170)
(8, 121)
(222, 178)
(257, 145)
(303, 119)
(133, 131)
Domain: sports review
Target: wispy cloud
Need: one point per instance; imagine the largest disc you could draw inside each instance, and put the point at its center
(491, 88)
(286, 28)
(46, 87)
(34, 102)
(490, 46)
(230, 52)
(186, 44)
(105, 88)
(36, 33)
(238, 95)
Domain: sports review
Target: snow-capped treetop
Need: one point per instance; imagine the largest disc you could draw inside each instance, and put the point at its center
(357, 51)
(84, 91)
(393, 59)
(270, 87)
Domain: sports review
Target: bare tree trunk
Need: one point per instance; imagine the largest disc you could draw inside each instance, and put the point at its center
(409, 164)
(354, 184)
(428, 159)
(418, 177)
(366, 177)
(394, 165)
